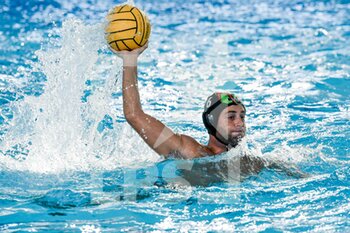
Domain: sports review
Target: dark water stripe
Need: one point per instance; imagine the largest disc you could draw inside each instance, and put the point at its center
(122, 30)
(118, 41)
(127, 11)
(120, 10)
(126, 45)
(135, 20)
(136, 42)
(143, 23)
(116, 44)
(122, 20)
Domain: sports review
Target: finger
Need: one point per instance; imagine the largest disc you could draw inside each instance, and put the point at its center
(110, 48)
(143, 48)
(138, 50)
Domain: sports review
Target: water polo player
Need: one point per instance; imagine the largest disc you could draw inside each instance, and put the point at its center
(223, 117)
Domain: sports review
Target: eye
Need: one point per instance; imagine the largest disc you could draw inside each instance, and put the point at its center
(243, 117)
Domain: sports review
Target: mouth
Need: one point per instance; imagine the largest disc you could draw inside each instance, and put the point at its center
(238, 133)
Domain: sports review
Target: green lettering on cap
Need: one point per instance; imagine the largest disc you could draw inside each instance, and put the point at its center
(228, 99)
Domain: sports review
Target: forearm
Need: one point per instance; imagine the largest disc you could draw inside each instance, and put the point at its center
(131, 96)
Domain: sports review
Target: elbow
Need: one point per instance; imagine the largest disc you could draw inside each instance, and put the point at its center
(132, 118)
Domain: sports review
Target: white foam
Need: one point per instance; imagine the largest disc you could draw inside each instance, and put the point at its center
(57, 131)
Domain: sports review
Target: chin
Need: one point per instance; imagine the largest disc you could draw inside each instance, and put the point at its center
(235, 140)
(237, 135)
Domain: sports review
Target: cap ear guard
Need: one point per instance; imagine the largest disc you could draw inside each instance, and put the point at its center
(211, 119)
(208, 120)
(210, 126)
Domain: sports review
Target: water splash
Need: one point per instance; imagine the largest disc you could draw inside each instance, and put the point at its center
(71, 126)
(130, 2)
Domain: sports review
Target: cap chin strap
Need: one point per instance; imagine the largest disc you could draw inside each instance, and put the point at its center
(220, 140)
(227, 145)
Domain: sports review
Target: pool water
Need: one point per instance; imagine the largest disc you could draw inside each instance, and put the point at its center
(69, 162)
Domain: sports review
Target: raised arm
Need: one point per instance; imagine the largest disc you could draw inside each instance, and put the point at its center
(159, 137)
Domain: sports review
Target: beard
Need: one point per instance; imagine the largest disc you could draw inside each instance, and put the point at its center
(232, 139)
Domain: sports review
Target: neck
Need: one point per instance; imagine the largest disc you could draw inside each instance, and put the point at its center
(215, 146)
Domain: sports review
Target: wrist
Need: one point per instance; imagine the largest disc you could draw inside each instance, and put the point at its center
(130, 60)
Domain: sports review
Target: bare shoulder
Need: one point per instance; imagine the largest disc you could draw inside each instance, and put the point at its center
(191, 148)
(251, 164)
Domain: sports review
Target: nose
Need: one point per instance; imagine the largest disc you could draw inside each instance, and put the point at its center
(239, 122)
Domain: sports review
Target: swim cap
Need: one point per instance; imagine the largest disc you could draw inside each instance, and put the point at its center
(214, 105)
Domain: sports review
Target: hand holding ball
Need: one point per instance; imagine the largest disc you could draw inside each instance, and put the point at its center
(128, 28)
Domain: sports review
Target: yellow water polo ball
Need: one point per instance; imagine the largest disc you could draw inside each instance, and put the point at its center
(128, 28)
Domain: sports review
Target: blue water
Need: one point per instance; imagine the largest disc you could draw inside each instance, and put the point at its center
(70, 163)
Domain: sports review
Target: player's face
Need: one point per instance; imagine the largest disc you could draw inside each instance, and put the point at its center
(231, 123)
